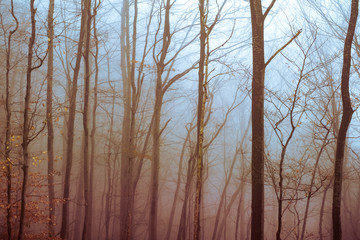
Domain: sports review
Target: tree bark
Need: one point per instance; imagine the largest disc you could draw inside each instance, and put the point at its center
(345, 122)
(86, 234)
(200, 122)
(49, 119)
(257, 106)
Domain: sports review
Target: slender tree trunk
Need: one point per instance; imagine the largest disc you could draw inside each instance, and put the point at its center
(135, 96)
(126, 181)
(7, 159)
(281, 193)
(136, 91)
(240, 210)
(93, 129)
(87, 226)
(281, 177)
(183, 217)
(70, 130)
(200, 122)
(108, 166)
(257, 106)
(322, 208)
(335, 129)
(49, 116)
(79, 197)
(26, 126)
(156, 161)
(345, 122)
(159, 93)
(66, 67)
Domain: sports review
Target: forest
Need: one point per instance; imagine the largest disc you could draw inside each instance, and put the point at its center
(175, 119)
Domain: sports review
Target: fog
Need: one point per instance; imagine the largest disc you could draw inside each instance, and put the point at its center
(135, 120)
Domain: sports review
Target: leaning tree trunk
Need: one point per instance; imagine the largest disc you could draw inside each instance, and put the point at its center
(345, 122)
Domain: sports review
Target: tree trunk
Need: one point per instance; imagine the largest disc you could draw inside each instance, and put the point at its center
(345, 122)
(108, 178)
(79, 197)
(70, 130)
(156, 161)
(26, 126)
(126, 181)
(183, 216)
(49, 119)
(87, 221)
(322, 208)
(200, 122)
(257, 107)
(93, 129)
(159, 93)
(135, 96)
(7, 149)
